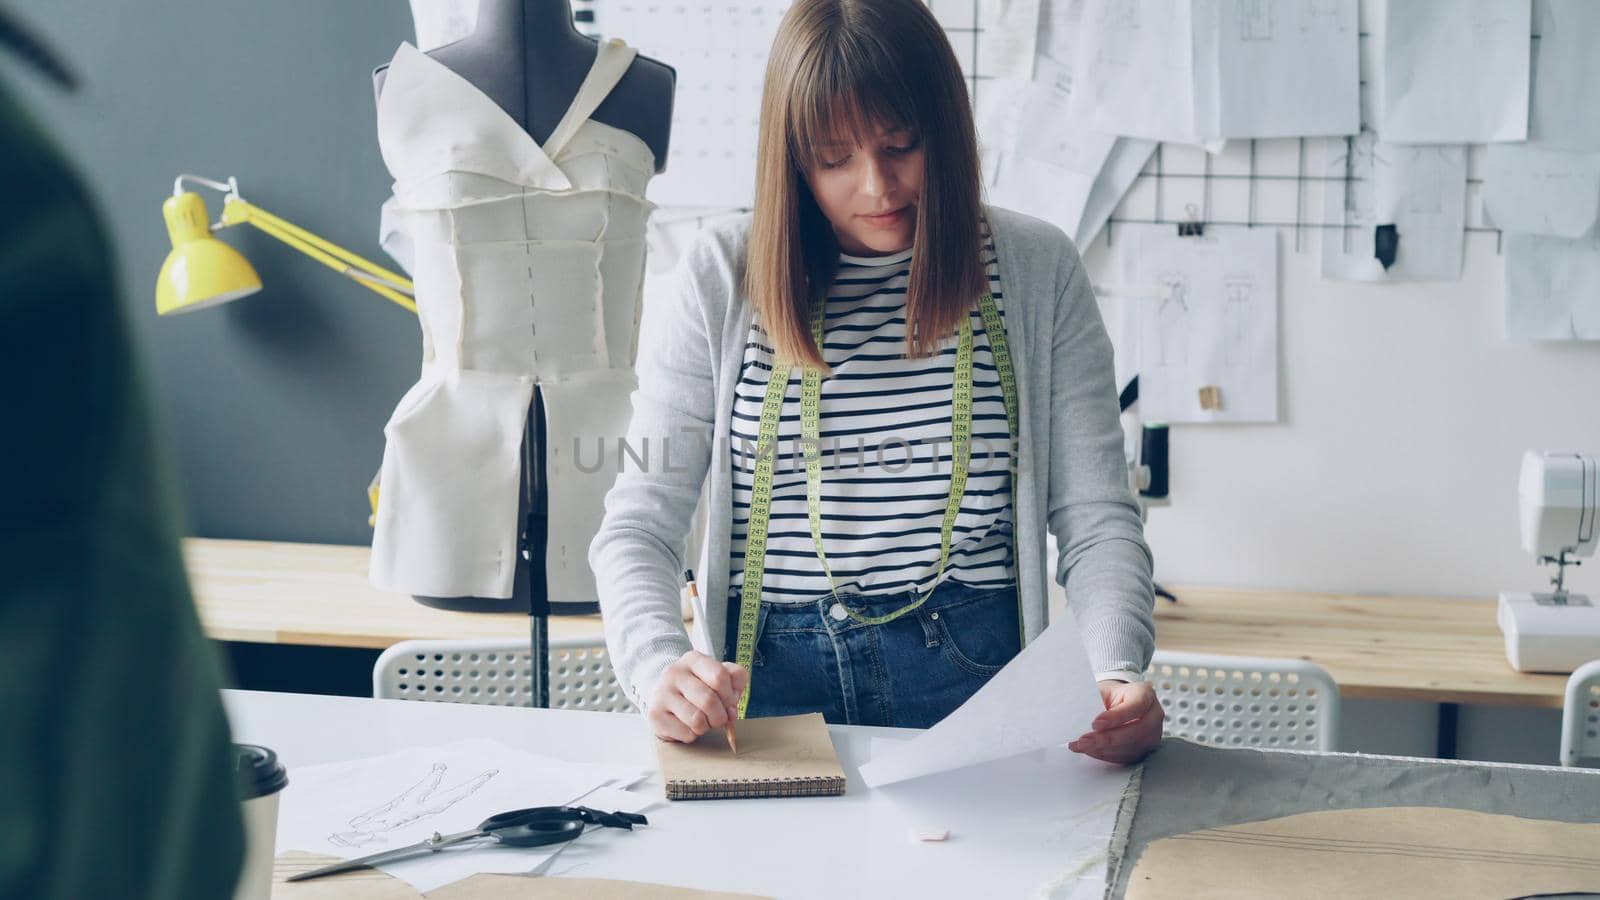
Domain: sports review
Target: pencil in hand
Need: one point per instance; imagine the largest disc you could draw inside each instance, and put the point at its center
(694, 595)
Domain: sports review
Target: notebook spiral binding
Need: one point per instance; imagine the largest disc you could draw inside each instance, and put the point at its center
(812, 786)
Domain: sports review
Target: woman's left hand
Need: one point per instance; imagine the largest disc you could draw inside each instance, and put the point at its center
(1129, 728)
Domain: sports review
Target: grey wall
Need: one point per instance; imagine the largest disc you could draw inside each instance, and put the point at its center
(274, 405)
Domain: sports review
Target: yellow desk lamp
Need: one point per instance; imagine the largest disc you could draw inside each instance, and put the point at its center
(203, 271)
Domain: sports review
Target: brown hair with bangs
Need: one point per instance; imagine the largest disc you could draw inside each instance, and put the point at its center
(846, 67)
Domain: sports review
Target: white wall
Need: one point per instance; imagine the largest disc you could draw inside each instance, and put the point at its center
(1394, 467)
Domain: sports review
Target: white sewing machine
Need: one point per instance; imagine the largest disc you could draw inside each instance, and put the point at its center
(1559, 496)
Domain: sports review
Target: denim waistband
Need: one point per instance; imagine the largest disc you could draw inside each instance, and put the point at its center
(947, 595)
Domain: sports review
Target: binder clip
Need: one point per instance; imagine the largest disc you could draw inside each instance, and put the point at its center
(1191, 226)
(1386, 244)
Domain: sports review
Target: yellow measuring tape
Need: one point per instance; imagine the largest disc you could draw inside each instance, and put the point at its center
(755, 555)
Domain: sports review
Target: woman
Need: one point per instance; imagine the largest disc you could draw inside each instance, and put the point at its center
(875, 497)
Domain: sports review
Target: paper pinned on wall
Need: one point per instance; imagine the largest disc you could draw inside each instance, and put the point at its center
(1283, 69)
(1128, 158)
(1550, 184)
(1531, 189)
(1566, 75)
(1043, 190)
(1060, 29)
(1008, 32)
(1051, 133)
(1552, 288)
(1455, 71)
(1135, 73)
(1049, 168)
(365, 806)
(1046, 696)
(1057, 168)
(1421, 190)
(1074, 200)
(1205, 329)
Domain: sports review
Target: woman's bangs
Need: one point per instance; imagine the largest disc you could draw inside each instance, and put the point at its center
(845, 98)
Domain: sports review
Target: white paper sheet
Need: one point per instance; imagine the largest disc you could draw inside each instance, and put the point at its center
(1060, 29)
(1038, 188)
(1047, 163)
(1048, 131)
(1045, 697)
(1552, 288)
(1539, 191)
(1134, 74)
(1128, 158)
(1566, 75)
(1008, 32)
(1421, 190)
(1210, 319)
(586, 419)
(1455, 71)
(1005, 801)
(365, 806)
(1284, 68)
(1041, 157)
(719, 50)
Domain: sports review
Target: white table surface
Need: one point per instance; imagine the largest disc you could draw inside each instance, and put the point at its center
(857, 845)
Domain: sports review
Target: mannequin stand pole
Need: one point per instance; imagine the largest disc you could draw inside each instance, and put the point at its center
(534, 539)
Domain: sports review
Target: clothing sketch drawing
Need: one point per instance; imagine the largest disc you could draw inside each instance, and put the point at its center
(421, 800)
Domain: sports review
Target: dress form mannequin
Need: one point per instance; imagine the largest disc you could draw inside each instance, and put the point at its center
(526, 56)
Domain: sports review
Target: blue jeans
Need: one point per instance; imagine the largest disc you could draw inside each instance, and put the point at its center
(910, 673)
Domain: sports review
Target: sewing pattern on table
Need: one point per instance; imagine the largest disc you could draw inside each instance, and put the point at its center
(1373, 852)
(422, 800)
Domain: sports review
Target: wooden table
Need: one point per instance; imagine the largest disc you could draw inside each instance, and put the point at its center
(1436, 650)
(318, 595)
(1432, 649)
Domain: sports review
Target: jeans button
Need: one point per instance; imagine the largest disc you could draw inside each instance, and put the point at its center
(838, 612)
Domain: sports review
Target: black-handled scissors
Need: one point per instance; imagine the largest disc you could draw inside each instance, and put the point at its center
(532, 827)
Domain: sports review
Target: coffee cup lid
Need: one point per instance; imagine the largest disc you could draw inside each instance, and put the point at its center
(257, 771)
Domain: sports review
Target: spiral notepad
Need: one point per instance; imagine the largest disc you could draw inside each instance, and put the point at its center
(783, 756)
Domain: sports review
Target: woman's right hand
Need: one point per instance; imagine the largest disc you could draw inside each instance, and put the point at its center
(696, 694)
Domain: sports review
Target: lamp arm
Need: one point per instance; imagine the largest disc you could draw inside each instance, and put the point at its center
(236, 210)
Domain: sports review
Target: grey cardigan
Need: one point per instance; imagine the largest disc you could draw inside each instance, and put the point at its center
(1072, 476)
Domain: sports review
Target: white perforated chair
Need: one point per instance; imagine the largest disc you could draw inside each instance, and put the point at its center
(498, 673)
(1580, 717)
(1242, 701)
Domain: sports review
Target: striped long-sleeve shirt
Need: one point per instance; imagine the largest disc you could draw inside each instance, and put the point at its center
(884, 427)
(1072, 477)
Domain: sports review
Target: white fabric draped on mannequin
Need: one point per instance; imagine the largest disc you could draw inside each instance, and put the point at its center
(528, 262)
